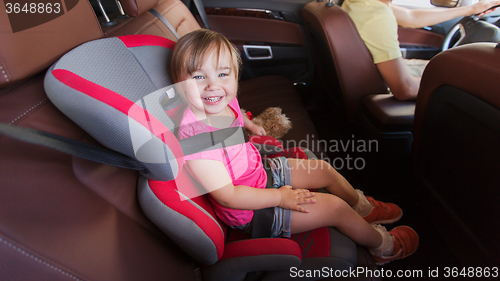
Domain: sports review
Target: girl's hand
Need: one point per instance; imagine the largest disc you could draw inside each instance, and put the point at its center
(292, 198)
(257, 130)
(252, 127)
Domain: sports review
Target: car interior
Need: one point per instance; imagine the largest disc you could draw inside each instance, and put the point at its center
(72, 208)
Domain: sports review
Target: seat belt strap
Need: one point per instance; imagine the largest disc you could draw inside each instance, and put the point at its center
(72, 147)
(165, 22)
(205, 141)
(197, 143)
(201, 11)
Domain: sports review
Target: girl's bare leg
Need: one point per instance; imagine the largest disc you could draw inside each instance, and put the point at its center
(337, 210)
(314, 174)
(330, 210)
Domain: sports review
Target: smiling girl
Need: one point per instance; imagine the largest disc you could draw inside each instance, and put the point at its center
(205, 65)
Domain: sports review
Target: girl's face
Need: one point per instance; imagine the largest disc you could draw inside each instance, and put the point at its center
(216, 85)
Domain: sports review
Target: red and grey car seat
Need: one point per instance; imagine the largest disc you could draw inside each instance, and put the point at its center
(119, 91)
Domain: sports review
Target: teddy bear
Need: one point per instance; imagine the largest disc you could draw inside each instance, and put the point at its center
(272, 120)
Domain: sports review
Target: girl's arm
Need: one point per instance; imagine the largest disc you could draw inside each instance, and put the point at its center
(249, 125)
(213, 176)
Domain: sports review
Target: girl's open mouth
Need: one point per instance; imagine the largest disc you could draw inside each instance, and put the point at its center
(213, 100)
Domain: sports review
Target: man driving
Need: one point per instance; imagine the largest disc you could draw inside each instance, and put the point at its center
(377, 22)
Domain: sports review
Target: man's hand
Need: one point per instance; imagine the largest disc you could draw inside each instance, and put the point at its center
(484, 7)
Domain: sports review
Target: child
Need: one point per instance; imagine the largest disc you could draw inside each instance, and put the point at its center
(207, 64)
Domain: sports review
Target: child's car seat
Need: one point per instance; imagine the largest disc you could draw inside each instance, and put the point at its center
(255, 94)
(119, 91)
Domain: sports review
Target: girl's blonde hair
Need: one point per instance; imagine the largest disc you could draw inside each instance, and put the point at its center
(191, 49)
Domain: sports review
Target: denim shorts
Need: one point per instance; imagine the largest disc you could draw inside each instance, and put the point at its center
(279, 170)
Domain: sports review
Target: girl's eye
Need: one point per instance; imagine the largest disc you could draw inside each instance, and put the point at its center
(223, 74)
(198, 77)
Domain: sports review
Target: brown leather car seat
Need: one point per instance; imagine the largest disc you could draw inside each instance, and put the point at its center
(343, 62)
(457, 152)
(255, 94)
(62, 217)
(140, 21)
(347, 72)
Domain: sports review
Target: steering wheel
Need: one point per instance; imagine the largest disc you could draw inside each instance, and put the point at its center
(471, 30)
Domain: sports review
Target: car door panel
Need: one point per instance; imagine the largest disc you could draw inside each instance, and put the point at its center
(236, 29)
(293, 7)
(268, 34)
(419, 43)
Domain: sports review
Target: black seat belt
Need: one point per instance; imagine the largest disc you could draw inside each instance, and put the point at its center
(226, 137)
(199, 7)
(201, 11)
(72, 147)
(165, 21)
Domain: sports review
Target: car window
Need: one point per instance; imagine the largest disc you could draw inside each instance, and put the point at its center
(427, 4)
(414, 3)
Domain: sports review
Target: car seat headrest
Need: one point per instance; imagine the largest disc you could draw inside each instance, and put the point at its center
(30, 44)
(118, 90)
(135, 8)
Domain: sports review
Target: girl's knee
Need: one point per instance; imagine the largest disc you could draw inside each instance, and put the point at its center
(326, 169)
(337, 205)
(319, 165)
(335, 210)
(329, 210)
(322, 164)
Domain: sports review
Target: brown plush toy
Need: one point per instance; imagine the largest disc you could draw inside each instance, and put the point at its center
(272, 120)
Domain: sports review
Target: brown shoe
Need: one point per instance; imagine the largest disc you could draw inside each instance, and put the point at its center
(405, 244)
(383, 213)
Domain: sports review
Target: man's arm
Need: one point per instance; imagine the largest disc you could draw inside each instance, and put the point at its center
(418, 18)
(395, 74)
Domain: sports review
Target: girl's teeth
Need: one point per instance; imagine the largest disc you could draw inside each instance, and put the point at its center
(213, 99)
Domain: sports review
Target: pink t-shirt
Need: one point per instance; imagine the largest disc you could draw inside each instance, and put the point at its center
(242, 162)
